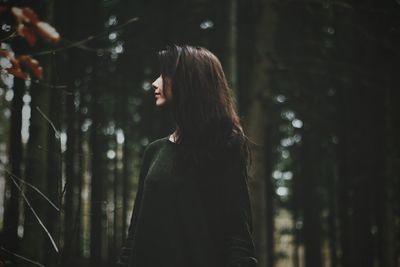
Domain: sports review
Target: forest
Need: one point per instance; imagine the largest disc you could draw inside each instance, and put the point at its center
(315, 84)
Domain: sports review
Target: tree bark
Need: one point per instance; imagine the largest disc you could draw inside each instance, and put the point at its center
(36, 168)
(11, 210)
(256, 120)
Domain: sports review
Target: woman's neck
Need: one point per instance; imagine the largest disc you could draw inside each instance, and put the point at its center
(173, 137)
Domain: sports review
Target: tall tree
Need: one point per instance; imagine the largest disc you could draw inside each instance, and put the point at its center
(11, 210)
(15, 152)
(98, 148)
(258, 103)
(54, 169)
(36, 160)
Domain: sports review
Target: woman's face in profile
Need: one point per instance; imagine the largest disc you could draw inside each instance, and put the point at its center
(162, 90)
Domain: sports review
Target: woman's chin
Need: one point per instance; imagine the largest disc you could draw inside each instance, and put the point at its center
(159, 103)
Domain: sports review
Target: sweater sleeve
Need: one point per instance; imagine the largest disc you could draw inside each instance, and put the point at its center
(238, 245)
(126, 250)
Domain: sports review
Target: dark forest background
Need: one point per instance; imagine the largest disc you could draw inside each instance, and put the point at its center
(317, 86)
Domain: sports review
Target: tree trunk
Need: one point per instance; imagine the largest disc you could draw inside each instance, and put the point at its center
(36, 168)
(385, 215)
(344, 207)
(11, 210)
(54, 173)
(256, 121)
(231, 59)
(311, 199)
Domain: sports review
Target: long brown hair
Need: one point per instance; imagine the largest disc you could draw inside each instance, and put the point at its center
(202, 104)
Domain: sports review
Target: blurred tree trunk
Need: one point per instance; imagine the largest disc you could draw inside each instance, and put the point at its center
(116, 237)
(386, 190)
(362, 173)
(332, 215)
(297, 197)
(391, 234)
(256, 122)
(54, 153)
(36, 168)
(231, 59)
(80, 176)
(344, 207)
(54, 171)
(311, 200)
(130, 109)
(270, 189)
(68, 72)
(11, 209)
(356, 191)
(127, 173)
(382, 116)
(119, 111)
(71, 171)
(35, 239)
(98, 146)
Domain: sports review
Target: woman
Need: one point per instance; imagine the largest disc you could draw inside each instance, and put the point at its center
(192, 207)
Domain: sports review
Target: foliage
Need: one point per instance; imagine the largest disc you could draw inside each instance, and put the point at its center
(25, 24)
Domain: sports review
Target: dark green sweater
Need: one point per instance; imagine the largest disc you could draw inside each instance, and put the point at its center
(197, 218)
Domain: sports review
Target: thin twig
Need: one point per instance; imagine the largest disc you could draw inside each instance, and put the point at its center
(49, 85)
(35, 214)
(57, 133)
(83, 41)
(74, 44)
(63, 190)
(21, 257)
(9, 37)
(34, 188)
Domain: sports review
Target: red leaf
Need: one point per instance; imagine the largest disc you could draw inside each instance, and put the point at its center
(30, 15)
(15, 69)
(28, 62)
(25, 15)
(17, 72)
(47, 31)
(27, 33)
(19, 14)
(33, 65)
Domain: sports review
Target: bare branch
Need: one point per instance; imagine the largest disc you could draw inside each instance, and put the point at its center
(49, 85)
(13, 34)
(80, 44)
(21, 257)
(35, 214)
(34, 188)
(57, 132)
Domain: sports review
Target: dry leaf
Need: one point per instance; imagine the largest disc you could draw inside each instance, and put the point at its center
(47, 32)
(16, 69)
(25, 15)
(33, 65)
(19, 14)
(27, 33)
(30, 14)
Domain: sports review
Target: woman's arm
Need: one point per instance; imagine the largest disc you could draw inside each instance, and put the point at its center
(126, 250)
(238, 245)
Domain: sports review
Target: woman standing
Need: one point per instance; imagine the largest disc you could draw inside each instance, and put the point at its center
(192, 207)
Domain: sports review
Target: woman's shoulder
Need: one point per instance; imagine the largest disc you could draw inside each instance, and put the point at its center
(158, 142)
(156, 145)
